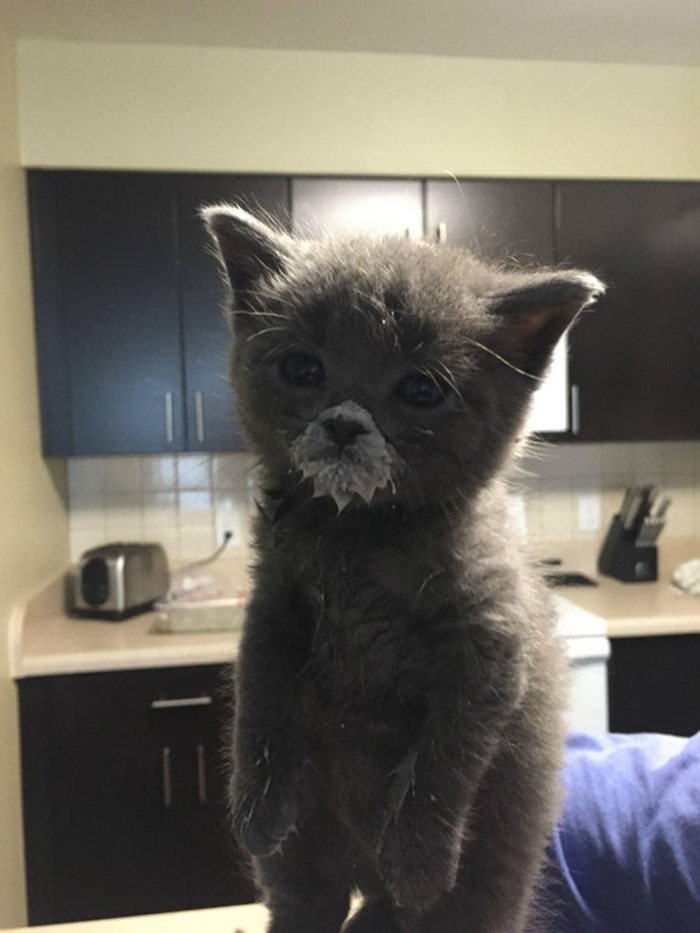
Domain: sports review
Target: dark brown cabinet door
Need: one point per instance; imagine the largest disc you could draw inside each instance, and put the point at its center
(123, 797)
(132, 341)
(497, 219)
(654, 684)
(210, 401)
(635, 359)
(509, 221)
(376, 206)
(108, 320)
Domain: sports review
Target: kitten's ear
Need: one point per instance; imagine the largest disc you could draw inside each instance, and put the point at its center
(248, 248)
(536, 310)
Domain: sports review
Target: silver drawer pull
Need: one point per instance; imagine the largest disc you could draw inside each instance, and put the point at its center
(199, 416)
(181, 702)
(201, 775)
(169, 432)
(575, 410)
(167, 779)
(442, 232)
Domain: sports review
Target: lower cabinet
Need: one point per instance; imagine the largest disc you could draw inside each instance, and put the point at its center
(654, 684)
(123, 782)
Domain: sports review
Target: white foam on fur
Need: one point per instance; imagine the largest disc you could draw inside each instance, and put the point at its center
(362, 467)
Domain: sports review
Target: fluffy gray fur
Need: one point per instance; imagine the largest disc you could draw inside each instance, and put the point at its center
(398, 726)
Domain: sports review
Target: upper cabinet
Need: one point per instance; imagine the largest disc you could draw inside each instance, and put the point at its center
(376, 206)
(635, 359)
(500, 220)
(108, 329)
(132, 338)
(210, 403)
(508, 221)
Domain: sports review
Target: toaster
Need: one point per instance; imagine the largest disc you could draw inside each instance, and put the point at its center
(116, 581)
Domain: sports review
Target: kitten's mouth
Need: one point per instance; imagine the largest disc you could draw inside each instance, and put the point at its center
(345, 454)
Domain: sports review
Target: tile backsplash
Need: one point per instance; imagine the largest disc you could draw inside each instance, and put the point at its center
(560, 484)
(171, 499)
(565, 489)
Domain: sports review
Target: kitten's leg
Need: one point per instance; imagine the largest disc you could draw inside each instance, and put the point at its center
(307, 884)
(514, 815)
(481, 680)
(267, 755)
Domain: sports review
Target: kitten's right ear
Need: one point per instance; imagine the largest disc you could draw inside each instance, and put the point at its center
(247, 248)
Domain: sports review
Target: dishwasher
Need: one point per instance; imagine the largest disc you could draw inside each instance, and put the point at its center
(588, 654)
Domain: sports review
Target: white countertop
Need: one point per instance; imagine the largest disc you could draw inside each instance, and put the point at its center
(44, 640)
(250, 918)
(633, 609)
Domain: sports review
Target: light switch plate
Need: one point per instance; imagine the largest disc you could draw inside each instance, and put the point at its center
(589, 511)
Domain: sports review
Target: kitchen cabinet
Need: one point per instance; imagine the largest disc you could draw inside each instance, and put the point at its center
(497, 219)
(510, 221)
(346, 206)
(635, 359)
(210, 401)
(654, 684)
(123, 794)
(132, 341)
(107, 317)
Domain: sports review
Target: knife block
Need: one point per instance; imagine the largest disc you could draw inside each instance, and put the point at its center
(622, 558)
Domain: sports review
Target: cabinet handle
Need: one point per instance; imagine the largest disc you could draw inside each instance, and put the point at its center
(181, 702)
(201, 775)
(575, 409)
(167, 779)
(199, 416)
(442, 232)
(169, 435)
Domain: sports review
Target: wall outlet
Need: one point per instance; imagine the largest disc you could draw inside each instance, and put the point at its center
(589, 511)
(518, 515)
(230, 517)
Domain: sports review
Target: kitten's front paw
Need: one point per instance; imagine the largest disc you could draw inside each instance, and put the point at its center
(417, 862)
(413, 877)
(264, 816)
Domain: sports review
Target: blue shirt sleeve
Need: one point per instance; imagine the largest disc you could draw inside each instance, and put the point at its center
(628, 844)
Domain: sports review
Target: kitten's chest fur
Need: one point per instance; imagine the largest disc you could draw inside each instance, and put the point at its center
(372, 628)
(369, 663)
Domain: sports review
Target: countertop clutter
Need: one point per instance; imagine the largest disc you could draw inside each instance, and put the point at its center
(44, 640)
(634, 609)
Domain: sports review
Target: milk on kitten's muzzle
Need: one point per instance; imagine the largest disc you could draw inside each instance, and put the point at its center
(343, 451)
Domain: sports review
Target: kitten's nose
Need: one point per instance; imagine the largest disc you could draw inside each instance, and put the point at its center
(342, 431)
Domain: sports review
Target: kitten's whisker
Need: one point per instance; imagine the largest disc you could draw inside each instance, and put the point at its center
(449, 378)
(276, 350)
(267, 330)
(502, 359)
(271, 295)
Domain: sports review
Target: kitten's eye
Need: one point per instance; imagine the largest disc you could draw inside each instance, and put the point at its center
(300, 369)
(421, 390)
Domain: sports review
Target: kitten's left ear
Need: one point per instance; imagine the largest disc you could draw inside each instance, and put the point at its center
(537, 310)
(249, 249)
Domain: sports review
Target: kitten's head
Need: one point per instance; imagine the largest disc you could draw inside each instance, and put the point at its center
(385, 370)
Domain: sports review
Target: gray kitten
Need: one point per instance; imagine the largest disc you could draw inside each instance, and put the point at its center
(398, 726)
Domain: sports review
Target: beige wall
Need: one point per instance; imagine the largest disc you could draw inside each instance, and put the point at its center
(33, 524)
(159, 107)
